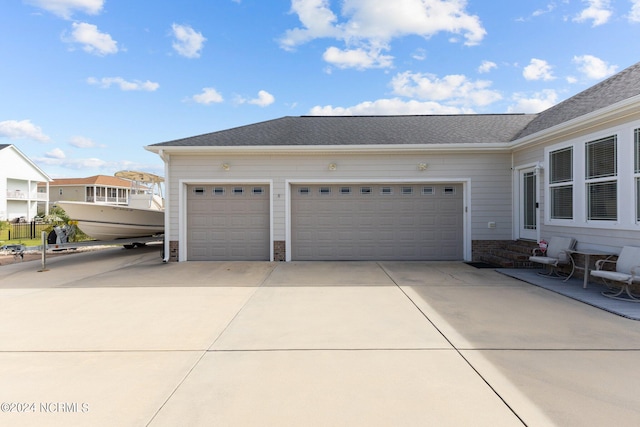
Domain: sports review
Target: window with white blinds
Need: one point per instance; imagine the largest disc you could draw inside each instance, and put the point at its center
(594, 181)
(601, 178)
(561, 165)
(636, 137)
(601, 161)
(636, 150)
(561, 183)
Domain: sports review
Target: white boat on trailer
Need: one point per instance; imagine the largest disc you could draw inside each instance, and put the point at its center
(142, 216)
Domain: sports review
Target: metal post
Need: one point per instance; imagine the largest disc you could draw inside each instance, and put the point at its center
(44, 252)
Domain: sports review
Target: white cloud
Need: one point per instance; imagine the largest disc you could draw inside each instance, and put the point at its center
(393, 106)
(370, 25)
(92, 39)
(188, 42)
(83, 142)
(125, 85)
(208, 96)
(599, 11)
(487, 66)
(318, 21)
(76, 164)
(66, 8)
(264, 99)
(550, 8)
(421, 54)
(56, 153)
(538, 69)
(454, 89)
(23, 129)
(536, 103)
(634, 14)
(594, 68)
(357, 58)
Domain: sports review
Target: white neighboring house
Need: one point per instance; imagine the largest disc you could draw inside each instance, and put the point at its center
(19, 178)
(448, 187)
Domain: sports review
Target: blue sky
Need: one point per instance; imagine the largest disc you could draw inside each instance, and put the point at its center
(86, 84)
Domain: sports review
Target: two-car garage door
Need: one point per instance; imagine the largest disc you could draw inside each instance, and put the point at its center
(377, 222)
(328, 222)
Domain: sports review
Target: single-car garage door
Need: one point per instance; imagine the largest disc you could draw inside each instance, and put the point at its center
(228, 222)
(377, 222)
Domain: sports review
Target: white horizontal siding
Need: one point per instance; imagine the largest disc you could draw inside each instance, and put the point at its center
(489, 175)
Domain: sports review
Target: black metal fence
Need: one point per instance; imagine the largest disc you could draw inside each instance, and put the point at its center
(23, 230)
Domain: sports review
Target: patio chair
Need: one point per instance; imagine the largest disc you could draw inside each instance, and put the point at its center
(627, 272)
(557, 254)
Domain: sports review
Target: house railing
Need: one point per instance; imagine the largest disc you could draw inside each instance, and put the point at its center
(22, 195)
(17, 194)
(110, 200)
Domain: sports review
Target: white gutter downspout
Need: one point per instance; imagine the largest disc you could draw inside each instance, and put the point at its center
(165, 158)
(539, 168)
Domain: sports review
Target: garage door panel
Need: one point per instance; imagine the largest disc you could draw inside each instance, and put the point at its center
(389, 222)
(227, 225)
(426, 220)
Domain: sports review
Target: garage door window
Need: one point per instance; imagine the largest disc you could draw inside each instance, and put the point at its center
(365, 190)
(325, 191)
(407, 191)
(258, 191)
(198, 191)
(304, 191)
(386, 191)
(450, 191)
(345, 190)
(427, 191)
(218, 191)
(238, 191)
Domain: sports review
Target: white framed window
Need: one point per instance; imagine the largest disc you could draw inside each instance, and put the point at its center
(561, 183)
(601, 179)
(257, 191)
(345, 190)
(386, 191)
(325, 191)
(304, 191)
(198, 191)
(636, 170)
(238, 191)
(365, 190)
(218, 191)
(428, 191)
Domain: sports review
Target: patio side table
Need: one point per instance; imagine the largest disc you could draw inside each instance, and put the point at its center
(587, 254)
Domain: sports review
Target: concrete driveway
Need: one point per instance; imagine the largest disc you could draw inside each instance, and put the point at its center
(118, 338)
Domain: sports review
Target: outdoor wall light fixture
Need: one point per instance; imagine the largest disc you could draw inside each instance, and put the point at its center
(225, 166)
(333, 166)
(422, 166)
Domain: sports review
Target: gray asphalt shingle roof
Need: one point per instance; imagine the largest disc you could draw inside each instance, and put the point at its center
(366, 130)
(621, 86)
(431, 129)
